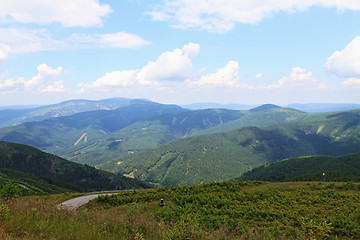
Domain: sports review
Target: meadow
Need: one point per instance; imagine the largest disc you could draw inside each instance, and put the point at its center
(223, 210)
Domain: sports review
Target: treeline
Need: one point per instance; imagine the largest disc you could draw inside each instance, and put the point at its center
(311, 168)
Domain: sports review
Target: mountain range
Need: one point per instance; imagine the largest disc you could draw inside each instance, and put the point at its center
(14, 115)
(221, 156)
(170, 145)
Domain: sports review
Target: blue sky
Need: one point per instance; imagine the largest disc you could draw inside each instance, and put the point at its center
(180, 51)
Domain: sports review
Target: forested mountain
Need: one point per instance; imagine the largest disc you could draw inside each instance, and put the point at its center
(199, 106)
(60, 172)
(261, 118)
(30, 184)
(309, 168)
(227, 155)
(61, 132)
(147, 134)
(9, 117)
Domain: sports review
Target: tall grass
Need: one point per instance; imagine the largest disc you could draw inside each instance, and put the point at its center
(39, 218)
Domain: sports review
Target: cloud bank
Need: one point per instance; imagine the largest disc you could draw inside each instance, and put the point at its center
(223, 15)
(69, 13)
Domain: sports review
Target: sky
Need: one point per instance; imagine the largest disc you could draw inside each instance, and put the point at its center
(180, 51)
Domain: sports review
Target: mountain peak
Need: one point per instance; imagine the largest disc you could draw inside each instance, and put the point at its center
(264, 107)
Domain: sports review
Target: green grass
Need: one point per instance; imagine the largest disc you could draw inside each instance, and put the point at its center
(226, 210)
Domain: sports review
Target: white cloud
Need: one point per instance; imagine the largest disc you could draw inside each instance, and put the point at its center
(222, 15)
(69, 13)
(113, 40)
(259, 75)
(56, 87)
(10, 83)
(44, 72)
(4, 52)
(171, 65)
(346, 62)
(352, 82)
(191, 50)
(21, 40)
(116, 79)
(175, 65)
(298, 77)
(227, 76)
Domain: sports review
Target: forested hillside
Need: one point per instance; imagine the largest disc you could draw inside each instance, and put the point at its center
(61, 172)
(58, 133)
(147, 134)
(309, 168)
(227, 155)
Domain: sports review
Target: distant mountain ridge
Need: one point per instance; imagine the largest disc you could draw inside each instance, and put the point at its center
(324, 107)
(264, 107)
(60, 132)
(15, 116)
(199, 106)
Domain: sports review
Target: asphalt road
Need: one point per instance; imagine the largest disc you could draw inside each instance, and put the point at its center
(75, 203)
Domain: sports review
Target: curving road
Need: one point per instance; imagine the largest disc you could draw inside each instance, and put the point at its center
(75, 203)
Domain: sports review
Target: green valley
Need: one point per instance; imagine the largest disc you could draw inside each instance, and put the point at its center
(221, 156)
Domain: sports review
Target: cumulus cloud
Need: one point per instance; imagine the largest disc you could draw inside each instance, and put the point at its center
(69, 13)
(115, 79)
(174, 65)
(352, 82)
(44, 72)
(10, 83)
(227, 76)
(259, 75)
(57, 87)
(4, 52)
(298, 77)
(222, 15)
(346, 62)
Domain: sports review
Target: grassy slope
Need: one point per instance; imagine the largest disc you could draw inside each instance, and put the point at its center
(227, 155)
(308, 168)
(228, 210)
(60, 171)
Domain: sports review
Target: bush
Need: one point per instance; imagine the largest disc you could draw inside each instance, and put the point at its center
(4, 212)
(10, 190)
